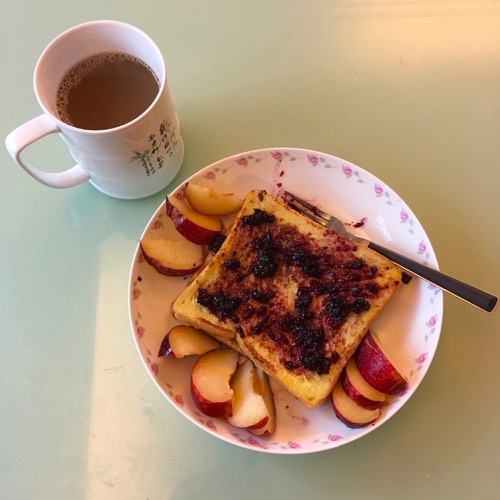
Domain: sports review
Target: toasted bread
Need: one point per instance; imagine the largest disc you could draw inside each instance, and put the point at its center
(293, 296)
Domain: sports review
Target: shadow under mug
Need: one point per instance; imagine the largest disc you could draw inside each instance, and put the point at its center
(130, 161)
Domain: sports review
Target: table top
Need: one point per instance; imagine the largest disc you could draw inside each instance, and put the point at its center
(408, 90)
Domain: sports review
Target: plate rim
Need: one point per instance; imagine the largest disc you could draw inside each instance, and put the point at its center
(252, 445)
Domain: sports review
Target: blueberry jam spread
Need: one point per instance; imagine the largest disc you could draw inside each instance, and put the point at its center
(291, 290)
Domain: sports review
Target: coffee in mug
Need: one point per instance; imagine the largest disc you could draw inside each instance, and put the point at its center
(103, 88)
(106, 90)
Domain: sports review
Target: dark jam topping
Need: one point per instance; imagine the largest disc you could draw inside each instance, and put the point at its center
(336, 310)
(324, 289)
(216, 243)
(309, 343)
(314, 360)
(405, 278)
(360, 305)
(307, 262)
(266, 265)
(302, 302)
(232, 264)
(258, 217)
(260, 296)
(355, 264)
(220, 304)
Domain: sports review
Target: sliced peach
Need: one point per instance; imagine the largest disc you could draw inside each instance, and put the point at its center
(349, 412)
(267, 394)
(208, 201)
(356, 387)
(194, 226)
(172, 257)
(184, 340)
(250, 408)
(376, 366)
(210, 382)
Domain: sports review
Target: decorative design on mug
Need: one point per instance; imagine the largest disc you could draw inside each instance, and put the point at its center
(162, 145)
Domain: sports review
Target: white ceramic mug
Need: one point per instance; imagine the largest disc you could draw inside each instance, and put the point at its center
(130, 161)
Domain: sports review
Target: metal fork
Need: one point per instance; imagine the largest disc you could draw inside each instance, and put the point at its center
(478, 298)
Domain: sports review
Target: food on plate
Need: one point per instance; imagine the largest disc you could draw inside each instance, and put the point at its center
(208, 201)
(211, 382)
(253, 403)
(377, 367)
(295, 297)
(290, 298)
(172, 257)
(183, 340)
(349, 412)
(359, 390)
(194, 226)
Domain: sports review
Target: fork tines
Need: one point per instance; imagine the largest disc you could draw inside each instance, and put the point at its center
(306, 208)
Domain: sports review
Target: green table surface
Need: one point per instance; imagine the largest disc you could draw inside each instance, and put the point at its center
(408, 90)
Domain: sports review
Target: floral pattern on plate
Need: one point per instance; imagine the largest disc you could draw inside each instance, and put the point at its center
(410, 325)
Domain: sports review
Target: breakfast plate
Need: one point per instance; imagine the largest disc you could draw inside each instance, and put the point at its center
(409, 326)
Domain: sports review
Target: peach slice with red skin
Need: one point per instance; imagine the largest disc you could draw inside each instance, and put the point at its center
(376, 366)
(349, 412)
(251, 400)
(184, 340)
(268, 397)
(172, 257)
(208, 201)
(210, 382)
(198, 228)
(356, 387)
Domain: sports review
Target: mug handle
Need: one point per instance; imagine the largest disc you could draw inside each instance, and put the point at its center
(30, 132)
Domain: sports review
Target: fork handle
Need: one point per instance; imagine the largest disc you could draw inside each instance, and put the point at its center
(479, 298)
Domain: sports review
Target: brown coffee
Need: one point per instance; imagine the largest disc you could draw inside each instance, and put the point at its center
(106, 90)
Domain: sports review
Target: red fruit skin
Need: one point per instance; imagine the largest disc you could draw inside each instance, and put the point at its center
(376, 368)
(211, 409)
(193, 232)
(356, 396)
(259, 424)
(167, 271)
(165, 348)
(346, 421)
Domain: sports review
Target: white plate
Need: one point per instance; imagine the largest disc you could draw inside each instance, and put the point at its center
(410, 326)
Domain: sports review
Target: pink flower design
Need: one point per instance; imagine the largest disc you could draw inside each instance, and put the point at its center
(334, 437)
(136, 293)
(422, 248)
(253, 441)
(140, 331)
(154, 368)
(179, 400)
(157, 224)
(432, 320)
(210, 175)
(313, 159)
(242, 161)
(347, 170)
(294, 445)
(379, 190)
(211, 425)
(404, 215)
(421, 359)
(277, 155)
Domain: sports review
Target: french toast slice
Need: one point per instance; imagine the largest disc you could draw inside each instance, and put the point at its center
(293, 296)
